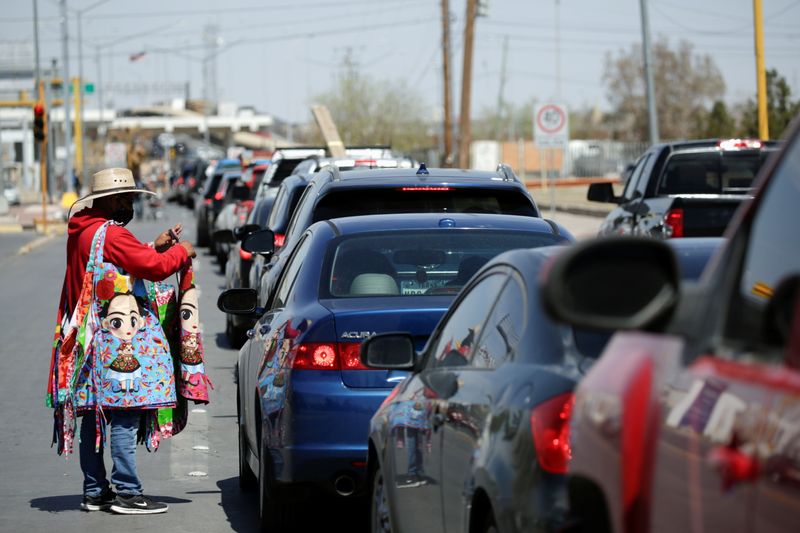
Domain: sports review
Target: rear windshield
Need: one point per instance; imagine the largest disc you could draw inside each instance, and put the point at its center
(715, 172)
(345, 203)
(416, 262)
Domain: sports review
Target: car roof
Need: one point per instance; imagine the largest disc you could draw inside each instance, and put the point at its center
(395, 176)
(408, 221)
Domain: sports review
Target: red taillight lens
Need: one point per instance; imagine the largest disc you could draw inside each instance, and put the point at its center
(192, 182)
(674, 220)
(279, 239)
(207, 201)
(219, 195)
(316, 356)
(328, 356)
(351, 356)
(180, 180)
(438, 189)
(550, 429)
(245, 255)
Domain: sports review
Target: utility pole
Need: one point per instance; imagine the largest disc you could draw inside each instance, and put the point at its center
(648, 73)
(464, 129)
(448, 125)
(761, 75)
(500, 103)
(558, 51)
(69, 190)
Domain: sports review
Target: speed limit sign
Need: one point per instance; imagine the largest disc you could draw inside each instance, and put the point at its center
(550, 125)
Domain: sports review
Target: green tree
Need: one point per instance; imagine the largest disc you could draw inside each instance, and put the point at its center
(685, 84)
(718, 122)
(780, 108)
(370, 112)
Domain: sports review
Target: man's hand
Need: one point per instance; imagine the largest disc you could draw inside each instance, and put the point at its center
(168, 239)
(189, 248)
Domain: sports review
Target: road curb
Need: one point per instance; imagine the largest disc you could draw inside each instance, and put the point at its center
(36, 243)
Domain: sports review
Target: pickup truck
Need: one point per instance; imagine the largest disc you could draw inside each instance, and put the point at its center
(690, 418)
(684, 188)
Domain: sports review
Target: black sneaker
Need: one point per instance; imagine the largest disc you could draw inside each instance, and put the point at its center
(138, 504)
(99, 503)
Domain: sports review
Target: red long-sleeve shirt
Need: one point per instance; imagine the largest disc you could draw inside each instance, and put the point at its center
(121, 249)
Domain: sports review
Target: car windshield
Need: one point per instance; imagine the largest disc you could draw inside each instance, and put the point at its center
(418, 262)
(716, 172)
(348, 202)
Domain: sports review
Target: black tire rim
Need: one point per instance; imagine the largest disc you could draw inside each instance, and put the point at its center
(380, 505)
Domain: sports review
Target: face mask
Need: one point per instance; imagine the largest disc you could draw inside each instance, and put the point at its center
(122, 215)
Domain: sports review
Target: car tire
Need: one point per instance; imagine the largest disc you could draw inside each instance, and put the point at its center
(236, 336)
(379, 515)
(273, 514)
(247, 478)
(489, 525)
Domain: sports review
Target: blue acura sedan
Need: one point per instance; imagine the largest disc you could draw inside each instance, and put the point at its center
(304, 398)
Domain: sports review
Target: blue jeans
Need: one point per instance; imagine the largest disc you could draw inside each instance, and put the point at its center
(124, 426)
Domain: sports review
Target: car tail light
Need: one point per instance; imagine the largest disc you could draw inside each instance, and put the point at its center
(674, 221)
(351, 356)
(550, 429)
(316, 356)
(245, 255)
(739, 144)
(208, 201)
(219, 195)
(180, 180)
(328, 356)
(279, 239)
(192, 182)
(365, 163)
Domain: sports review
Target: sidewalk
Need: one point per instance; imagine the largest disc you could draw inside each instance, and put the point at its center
(30, 217)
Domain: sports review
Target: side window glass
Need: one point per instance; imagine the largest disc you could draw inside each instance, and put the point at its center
(290, 274)
(298, 213)
(276, 206)
(631, 185)
(503, 330)
(763, 307)
(647, 170)
(456, 342)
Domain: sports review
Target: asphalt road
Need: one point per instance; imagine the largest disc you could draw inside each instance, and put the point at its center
(195, 472)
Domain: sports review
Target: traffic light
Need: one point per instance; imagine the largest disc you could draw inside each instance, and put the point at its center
(38, 122)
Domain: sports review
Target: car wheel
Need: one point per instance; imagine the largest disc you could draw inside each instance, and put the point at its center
(380, 521)
(273, 515)
(247, 479)
(489, 525)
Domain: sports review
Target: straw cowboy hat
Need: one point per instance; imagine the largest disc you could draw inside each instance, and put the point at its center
(106, 183)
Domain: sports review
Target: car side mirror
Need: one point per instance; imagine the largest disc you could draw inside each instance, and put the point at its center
(613, 283)
(239, 232)
(602, 192)
(239, 302)
(259, 242)
(389, 351)
(224, 235)
(241, 192)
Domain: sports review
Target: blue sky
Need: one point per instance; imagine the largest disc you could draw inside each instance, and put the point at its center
(277, 54)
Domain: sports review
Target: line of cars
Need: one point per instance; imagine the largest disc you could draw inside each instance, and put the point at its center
(405, 350)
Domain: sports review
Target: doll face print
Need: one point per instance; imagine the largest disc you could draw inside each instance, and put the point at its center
(188, 311)
(123, 318)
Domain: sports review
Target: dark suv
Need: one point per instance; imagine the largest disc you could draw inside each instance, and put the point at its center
(334, 194)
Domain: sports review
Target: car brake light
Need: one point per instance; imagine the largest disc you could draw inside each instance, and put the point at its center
(219, 195)
(245, 255)
(408, 189)
(674, 220)
(207, 201)
(365, 163)
(550, 429)
(192, 182)
(180, 180)
(739, 144)
(279, 239)
(351, 356)
(328, 356)
(316, 356)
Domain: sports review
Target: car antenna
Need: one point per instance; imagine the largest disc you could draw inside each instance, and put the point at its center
(422, 169)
